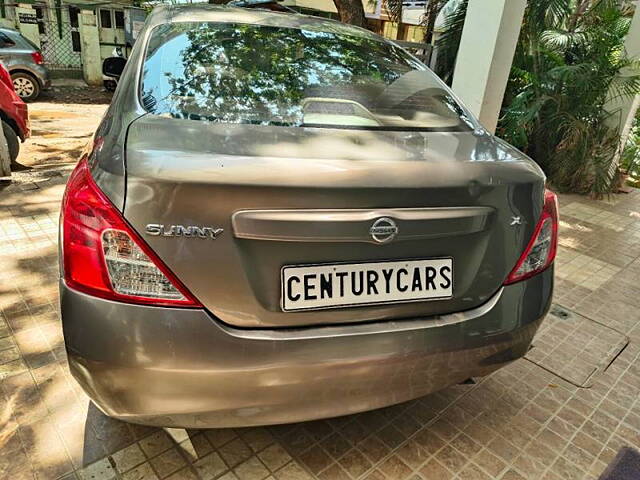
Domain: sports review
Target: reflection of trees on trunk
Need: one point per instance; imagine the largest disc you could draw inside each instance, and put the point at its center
(242, 73)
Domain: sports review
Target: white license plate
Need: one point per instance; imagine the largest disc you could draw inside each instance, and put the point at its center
(350, 285)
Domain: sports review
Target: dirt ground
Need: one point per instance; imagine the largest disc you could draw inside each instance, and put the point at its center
(62, 122)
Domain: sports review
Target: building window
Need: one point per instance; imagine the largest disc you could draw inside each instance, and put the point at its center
(75, 41)
(40, 16)
(119, 16)
(105, 18)
(73, 16)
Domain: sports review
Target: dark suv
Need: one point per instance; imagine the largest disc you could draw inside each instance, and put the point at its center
(25, 64)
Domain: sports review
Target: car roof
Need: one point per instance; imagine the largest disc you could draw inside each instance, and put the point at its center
(225, 14)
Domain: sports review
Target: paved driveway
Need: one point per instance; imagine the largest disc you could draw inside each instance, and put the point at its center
(562, 413)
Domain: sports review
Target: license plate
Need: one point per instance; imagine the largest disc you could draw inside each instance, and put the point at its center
(312, 287)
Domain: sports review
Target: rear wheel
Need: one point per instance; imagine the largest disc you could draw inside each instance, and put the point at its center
(110, 85)
(12, 141)
(26, 86)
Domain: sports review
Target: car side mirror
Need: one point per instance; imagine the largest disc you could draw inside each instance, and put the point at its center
(113, 66)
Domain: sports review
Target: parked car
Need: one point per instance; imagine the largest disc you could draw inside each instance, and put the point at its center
(13, 115)
(117, 61)
(24, 61)
(308, 224)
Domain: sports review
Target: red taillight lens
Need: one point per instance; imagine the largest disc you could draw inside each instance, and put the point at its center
(105, 257)
(5, 77)
(37, 58)
(541, 251)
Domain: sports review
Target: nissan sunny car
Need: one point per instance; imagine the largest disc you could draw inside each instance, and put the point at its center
(283, 218)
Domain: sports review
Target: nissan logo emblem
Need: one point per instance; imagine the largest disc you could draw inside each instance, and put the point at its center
(383, 230)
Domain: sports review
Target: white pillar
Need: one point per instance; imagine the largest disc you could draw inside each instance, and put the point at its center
(90, 41)
(624, 109)
(488, 43)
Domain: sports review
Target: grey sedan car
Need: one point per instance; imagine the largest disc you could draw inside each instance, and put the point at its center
(283, 218)
(24, 62)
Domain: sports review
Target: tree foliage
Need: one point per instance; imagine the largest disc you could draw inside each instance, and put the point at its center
(630, 161)
(429, 20)
(447, 45)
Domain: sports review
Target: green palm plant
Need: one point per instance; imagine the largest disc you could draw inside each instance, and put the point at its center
(569, 63)
(630, 161)
(448, 43)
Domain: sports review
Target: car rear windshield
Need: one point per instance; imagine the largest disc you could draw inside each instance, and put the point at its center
(266, 75)
(30, 43)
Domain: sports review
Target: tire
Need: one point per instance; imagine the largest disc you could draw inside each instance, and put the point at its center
(110, 85)
(26, 85)
(12, 140)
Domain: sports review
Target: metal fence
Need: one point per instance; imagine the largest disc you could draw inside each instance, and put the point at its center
(423, 51)
(60, 38)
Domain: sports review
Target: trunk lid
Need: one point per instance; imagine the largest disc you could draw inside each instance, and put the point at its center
(306, 196)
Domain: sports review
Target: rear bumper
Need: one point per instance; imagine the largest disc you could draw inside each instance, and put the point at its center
(179, 367)
(42, 73)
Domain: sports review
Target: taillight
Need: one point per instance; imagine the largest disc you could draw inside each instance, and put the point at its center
(37, 58)
(541, 251)
(103, 256)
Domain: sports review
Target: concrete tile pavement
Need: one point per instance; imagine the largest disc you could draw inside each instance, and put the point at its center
(521, 422)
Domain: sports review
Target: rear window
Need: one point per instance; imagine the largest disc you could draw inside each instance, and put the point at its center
(257, 74)
(5, 41)
(29, 42)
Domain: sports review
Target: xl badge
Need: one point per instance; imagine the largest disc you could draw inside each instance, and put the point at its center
(191, 231)
(383, 230)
